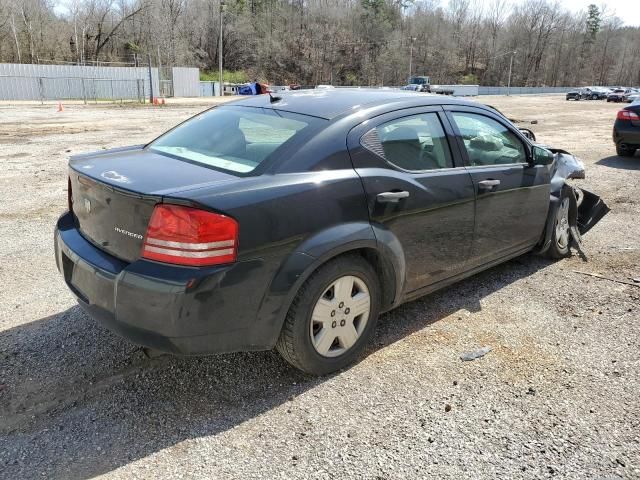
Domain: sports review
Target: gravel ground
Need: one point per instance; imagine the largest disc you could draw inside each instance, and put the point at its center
(557, 397)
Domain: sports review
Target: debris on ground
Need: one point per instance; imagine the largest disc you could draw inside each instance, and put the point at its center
(597, 275)
(469, 356)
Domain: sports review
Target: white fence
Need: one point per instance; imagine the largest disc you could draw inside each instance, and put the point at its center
(459, 90)
(186, 82)
(209, 89)
(62, 82)
(521, 90)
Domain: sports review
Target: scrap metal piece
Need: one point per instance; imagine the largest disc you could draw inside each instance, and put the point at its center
(591, 209)
(564, 167)
(469, 356)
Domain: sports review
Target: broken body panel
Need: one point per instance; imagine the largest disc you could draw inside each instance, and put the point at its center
(586, 208)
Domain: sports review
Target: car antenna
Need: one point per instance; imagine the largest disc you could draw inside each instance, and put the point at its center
(273, 99)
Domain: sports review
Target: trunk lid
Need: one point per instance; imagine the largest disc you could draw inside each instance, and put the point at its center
(114, 193)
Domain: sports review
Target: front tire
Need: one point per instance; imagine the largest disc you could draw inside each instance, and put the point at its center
(332, 316)
(561, 236)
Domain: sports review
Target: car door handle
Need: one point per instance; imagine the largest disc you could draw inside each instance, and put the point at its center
(488, 184)
(391, 197)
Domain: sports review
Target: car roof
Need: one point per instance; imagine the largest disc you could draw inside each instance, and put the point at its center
(331, 103)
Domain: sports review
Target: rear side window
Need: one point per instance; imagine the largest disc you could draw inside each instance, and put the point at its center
(488, 142)
(414, 143)
(236, 139)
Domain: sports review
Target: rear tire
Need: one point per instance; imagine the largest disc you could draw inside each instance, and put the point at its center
(625, 152)
(331, 319)
(561, 236)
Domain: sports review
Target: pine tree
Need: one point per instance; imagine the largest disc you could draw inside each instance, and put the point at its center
(593, 23)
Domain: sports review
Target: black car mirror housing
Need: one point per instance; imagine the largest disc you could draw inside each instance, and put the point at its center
(541, 156)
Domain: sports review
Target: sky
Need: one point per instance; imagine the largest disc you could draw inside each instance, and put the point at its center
(627, 10)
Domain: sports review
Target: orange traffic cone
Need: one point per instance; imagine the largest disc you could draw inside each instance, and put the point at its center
(155, 100)
(60, 107)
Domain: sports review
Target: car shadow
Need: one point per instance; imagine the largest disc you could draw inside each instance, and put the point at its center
(77, 401)
(625, 163)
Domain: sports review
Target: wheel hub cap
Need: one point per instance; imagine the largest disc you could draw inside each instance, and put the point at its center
(562, 224)
(340, 316)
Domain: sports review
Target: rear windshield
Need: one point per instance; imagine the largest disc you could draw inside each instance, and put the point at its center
(236, 139)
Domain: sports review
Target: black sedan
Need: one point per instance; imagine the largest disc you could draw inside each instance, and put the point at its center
(594, 93)
(574, 95)
(626, 130)
(294, 221)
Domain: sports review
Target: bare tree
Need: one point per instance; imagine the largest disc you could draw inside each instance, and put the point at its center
(369, 42)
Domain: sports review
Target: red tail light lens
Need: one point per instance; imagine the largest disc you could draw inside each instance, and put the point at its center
(188, 236)
(69, 195)
(628, 115)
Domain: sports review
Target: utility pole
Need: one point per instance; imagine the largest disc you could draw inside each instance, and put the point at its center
(150, 80)
(221, 89)
(412, 39)
(510, 68)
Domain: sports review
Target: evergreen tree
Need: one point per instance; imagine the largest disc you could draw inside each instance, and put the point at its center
(593, 23)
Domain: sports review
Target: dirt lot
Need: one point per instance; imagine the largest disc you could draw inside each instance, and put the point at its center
(556, 397)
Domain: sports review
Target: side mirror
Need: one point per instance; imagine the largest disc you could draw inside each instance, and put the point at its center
(542, 156)
(528, 133)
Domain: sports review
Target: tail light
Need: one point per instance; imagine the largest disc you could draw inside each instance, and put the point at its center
(628, 115)
(189, 236)
(69, 195)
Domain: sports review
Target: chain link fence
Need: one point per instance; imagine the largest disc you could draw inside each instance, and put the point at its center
(13, 87)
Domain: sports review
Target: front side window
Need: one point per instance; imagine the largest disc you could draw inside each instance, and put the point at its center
(488, 142)
(415, 143)
(237, 139)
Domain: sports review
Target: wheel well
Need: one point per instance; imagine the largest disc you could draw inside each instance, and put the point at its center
(382, 266)
(386, 274)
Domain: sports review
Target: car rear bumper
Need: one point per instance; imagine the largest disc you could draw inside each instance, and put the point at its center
(624, 133)
(170, 308)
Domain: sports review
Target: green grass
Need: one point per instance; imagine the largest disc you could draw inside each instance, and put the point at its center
(238, 76)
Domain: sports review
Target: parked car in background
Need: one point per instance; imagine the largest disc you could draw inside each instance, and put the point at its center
(618, 94)
(594, 93)
(632, 96)
(423, 82)
(294, 221)
(575, 94)
(414, 87)
(626, 130)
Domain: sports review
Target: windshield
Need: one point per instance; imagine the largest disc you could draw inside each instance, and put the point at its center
(237, 139)
(419, 80)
